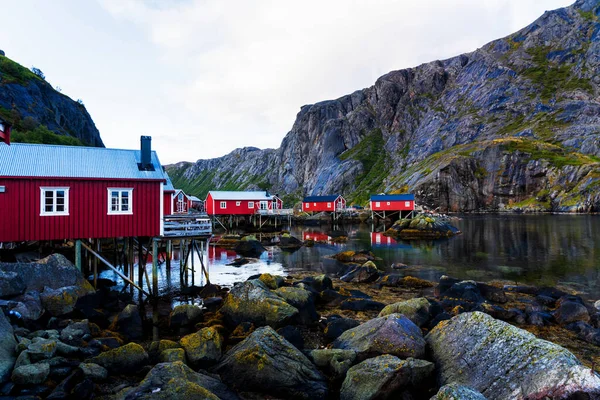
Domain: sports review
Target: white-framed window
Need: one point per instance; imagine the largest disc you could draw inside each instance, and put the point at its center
(263, 205)
(238, 203)
(120, 201)
(314, 204)
(328, 205)
(377, 204)
(307, 205)
(407, 204)
(54, 201)
(388, 203)
(250, 204)
(223, 204)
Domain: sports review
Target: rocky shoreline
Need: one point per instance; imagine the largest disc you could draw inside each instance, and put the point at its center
(362, 334)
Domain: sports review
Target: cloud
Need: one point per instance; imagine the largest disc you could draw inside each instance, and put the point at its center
(242, 70)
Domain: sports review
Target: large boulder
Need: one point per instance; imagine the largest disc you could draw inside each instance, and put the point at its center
(59, 301)
(302, 300)
(384, 377)
(366, 273)
(129, 323)
(32, 374)
(336, 326)
(393, 334)
(249, 248)
(125, 359)
(417, 310)
(203, 347)
(252, 301)
(54, 271)
(454, 391)
(29, 306)
(266, 363)
(571, 311)
(335, 361)
(185, 315)
(175, 380)
(11, 284)
(8, 343)
(502, 361)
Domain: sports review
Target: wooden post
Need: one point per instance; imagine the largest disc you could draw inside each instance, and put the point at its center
(97, 248)
(154, 290)
(78, 254)
(193, 244)
(168, 260)
(131, 251)
(140, 273)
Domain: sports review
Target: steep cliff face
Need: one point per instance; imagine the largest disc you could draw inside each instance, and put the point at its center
(515, 124)
(36, 109)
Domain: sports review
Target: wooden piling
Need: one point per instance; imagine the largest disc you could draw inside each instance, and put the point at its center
(154, 290)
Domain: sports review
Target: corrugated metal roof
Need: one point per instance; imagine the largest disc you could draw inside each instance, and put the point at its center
(36, 160)
(168, 187)
(392, 197)
(239, 195)
(316, 199)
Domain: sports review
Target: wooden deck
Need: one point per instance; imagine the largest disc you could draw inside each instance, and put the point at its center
(282, 211)
(189, 225)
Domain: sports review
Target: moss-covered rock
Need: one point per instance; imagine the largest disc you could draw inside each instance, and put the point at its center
(59, 301)
(185, 315)
(393, 334)
(253, 302)
(474, 349)
(125, 359)
(302, 300)
(334, 361)
(417, 310)
(455, 391)
(271, 281)
(172, 355)
(268, 364)
(32, 374)
(204, 347)
(384, 376)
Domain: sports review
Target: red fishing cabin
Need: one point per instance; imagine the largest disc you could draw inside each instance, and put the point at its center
(240, 202)
(330, 203)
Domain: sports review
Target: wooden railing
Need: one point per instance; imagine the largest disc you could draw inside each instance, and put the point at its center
(187, 225)
(280, 211)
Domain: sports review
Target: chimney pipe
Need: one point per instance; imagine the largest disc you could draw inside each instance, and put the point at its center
(146, 153)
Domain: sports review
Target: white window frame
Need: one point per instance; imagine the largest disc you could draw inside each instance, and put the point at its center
(407, 204)
(307, 205)
(377, 204)
(109, 201)
(388, 203)
(223, 205)
(43, 190)
(250, 204)
(238, 203)
(328, 205)
(314, 204)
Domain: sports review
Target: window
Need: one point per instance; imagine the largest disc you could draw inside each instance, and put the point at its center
(328, 205)
(250, 204)
(264, 205)
(223, 204)
(377, 204)
(407, 204)
(388, 203)
(54, 201)
(307, 205)
(314, 204)
(119, 201)
(238, 203)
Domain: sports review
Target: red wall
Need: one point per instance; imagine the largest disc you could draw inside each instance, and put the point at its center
(232, 208)
(321, 205)
(5, 135)
(88, 205)
(167, 203)
(392, 205)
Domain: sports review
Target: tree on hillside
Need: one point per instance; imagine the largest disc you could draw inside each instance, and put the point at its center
(38, 72)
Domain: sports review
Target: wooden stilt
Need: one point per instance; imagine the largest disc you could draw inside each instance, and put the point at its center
(97, 247)
(78, 254)
(131, 251)
(168, 260)
(192, 244)
(155, 290)
(140, 275)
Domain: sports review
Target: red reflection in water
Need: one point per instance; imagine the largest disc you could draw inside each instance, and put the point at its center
(379, 238)
(316, 236)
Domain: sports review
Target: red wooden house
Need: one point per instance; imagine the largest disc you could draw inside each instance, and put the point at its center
(402, 203)
(67, 192)
(5, 128)
(323, 203)
(181, 202)
(240, 203)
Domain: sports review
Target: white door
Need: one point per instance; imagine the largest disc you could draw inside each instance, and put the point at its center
(264, 205)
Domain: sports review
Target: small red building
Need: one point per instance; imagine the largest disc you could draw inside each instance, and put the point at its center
(181, 202)
(240, 203)
(393, 202)
(5, 128)
(323, 203)
(52, 192)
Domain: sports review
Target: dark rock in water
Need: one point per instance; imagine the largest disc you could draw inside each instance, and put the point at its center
(32, 374)
(337, 326)
(249, 248)
(267, 363)
(361, 305)
(127, 359)
(11, 283)
(399, 266)
(238, 262)
(203, 348)
(417, 310)
(391, 280)
(351, 256)
(532, 290)
(331, 297)
(393, 334)
(499, 312)
(129, 323)
(465, 294)
(585, 332)
(444, 284)
(552, 292)
(252, 301)
(571, 311)
(303, 301)
(366, 273)
(335, 361)
(212, 303)
(318, 283)
(175, 380)
(384, 377)
(492, 293)
(529, 367)
(293, 335)
(358, 294)
(54, 271)
(455, 391)
(422, 227)
(545, 301)
(289, 242)
(185, 315)
(7, 348)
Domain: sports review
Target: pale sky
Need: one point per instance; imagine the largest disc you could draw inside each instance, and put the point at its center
(203, 77)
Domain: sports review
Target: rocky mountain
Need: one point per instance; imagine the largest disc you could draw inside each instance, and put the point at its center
(513, 125)
(38, 112)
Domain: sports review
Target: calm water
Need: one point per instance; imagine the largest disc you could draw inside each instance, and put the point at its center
(532, 249)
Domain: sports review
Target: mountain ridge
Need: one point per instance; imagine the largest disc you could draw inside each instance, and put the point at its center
(512, 125)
